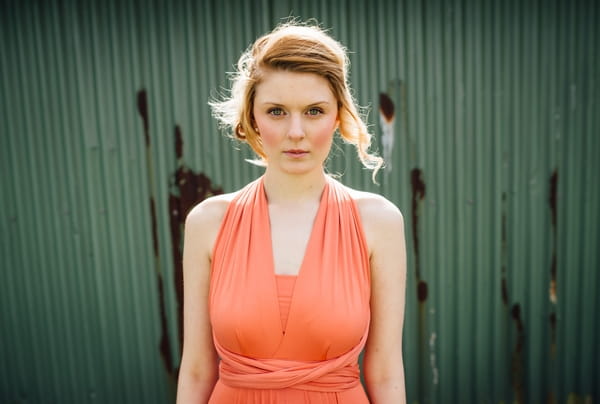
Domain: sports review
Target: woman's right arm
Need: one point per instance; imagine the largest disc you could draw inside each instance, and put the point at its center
(198, 371)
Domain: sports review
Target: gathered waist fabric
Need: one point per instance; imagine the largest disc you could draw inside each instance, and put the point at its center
(331, 375)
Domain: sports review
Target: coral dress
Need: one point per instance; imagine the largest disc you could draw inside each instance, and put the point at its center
(290, 339)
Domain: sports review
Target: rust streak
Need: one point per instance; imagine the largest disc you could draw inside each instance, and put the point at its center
(553, 296)
(552, 201)
(178, 143)
(386, 106)
(422, 291)
(142, 104)
(418, 194)
(187, 190)
(164, 344)
(518, 366)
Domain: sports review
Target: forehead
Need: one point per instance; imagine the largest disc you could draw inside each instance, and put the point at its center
(286, 87)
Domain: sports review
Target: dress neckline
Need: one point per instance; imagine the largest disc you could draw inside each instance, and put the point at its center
(270, 253)
(302, 271)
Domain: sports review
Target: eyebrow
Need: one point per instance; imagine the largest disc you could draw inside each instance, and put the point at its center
(276, 104)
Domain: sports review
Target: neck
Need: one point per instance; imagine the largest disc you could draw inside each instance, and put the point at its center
(284, 188)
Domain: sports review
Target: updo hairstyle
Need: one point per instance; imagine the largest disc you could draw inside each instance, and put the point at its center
(296, 48)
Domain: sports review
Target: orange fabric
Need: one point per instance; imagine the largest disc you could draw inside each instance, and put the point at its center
(313, 358)
(285, 290)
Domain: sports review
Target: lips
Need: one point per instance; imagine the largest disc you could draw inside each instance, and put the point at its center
(295, 153)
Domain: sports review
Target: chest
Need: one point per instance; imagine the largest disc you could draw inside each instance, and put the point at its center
(291, 231)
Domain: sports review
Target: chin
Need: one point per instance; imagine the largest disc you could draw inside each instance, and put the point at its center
(299, 169)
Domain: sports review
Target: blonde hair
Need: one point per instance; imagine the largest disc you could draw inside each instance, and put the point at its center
(297, 48)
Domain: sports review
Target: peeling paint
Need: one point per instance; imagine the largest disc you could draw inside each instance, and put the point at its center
(386, 106)
(432, 359)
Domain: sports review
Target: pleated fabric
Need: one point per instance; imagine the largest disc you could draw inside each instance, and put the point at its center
(312, 355)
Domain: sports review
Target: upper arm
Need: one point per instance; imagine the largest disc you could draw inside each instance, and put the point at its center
(201, 226)
(384, 226)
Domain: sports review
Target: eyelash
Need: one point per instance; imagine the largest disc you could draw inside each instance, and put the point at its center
(279, 111)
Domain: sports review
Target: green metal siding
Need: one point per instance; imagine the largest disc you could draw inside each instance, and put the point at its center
(496, 133)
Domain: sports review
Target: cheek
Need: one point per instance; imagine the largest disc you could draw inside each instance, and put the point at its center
(324, 135)
(269, 134)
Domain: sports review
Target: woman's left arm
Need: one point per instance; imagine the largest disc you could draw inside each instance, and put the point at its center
(383, 365)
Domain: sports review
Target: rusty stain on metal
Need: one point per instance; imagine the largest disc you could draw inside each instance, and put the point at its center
(386, 106)
(187, 190)
(418, 194)
(552, 201)
(422, 290)
(518, 356)
(164, 344)
(387, 120)
(142, 105)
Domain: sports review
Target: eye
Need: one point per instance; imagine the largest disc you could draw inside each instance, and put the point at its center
(276, 111)
(315, 111)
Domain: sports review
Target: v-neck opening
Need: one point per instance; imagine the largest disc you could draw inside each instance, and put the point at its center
(270, 252)
(311, 236)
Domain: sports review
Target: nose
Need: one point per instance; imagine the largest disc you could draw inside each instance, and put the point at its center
(296, 129)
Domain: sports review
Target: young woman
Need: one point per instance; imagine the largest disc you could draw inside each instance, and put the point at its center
(287, 280)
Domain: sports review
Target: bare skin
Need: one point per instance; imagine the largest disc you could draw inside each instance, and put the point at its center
(296, 115)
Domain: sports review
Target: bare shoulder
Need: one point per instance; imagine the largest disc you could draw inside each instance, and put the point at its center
(209, 211)
(204, 220)
(382, 222)
(377, 212)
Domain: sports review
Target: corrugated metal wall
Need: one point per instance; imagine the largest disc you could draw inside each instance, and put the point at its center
(495, 166)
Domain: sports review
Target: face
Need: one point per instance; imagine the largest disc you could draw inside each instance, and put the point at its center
(296, 115)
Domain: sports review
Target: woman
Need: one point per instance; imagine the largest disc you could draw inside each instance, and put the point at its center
(289, 278)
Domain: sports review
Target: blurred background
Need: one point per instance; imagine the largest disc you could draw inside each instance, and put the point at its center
(488, 112)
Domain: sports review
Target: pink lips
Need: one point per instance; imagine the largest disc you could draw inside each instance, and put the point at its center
(295, 153)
